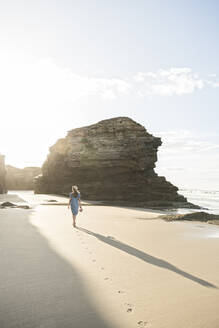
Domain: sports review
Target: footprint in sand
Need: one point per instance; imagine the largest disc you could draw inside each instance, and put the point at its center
(129, 307)
(107, 278)
(102, 268)
(142, 323)
(93, 260)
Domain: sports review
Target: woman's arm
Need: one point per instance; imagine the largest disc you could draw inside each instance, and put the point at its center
(69, 202)
(79, 201)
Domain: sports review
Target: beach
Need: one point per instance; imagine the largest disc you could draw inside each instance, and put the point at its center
(122, 267)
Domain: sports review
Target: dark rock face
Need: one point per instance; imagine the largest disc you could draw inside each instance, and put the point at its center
(112, 161)
(21, 179)
(195, 216)
(3, 188)
(11, 205)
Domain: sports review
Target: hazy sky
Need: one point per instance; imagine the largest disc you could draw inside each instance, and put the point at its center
(65, 64)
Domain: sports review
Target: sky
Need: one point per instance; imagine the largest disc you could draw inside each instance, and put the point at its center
(66, 64)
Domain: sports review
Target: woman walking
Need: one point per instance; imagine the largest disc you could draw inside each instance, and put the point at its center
(75, 202)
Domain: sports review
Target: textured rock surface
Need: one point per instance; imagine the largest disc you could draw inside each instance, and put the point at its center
(3, 188)
(21, 179)
(195, 216)
(112, 161)
(11, 205)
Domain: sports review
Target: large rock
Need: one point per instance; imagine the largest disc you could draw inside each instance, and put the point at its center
(11, 205)
(21, 179)
(195, 216)
(112, 161)
(3, 188)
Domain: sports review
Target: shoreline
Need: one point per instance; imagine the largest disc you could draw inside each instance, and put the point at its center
(164, 213)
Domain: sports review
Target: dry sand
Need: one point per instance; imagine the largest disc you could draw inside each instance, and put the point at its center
(120, 268)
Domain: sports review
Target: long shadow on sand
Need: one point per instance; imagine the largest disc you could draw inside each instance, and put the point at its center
(38, 287)
(146, 257)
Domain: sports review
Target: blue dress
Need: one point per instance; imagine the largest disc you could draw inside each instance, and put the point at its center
(74, 203)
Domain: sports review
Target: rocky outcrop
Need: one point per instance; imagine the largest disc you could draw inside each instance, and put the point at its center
(21, 179)
(112, 161)
(3, 188)
(11, 205)
(195, 216)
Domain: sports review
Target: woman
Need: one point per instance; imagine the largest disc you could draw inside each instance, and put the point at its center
(75, 202)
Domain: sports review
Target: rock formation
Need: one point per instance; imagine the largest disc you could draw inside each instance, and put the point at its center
(111, 161)
(11, 205)
(21, 179)
(195, 216)
(3, 188)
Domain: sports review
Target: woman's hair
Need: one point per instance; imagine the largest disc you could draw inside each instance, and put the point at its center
(75, 191)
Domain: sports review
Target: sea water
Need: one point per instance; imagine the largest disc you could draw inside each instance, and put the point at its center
(209, 199)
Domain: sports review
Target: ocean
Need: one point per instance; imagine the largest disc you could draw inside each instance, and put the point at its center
(205, 198)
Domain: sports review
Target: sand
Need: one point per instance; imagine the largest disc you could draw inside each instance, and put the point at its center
(122, 267)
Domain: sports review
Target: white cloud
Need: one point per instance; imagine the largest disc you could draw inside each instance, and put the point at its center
(139, 77)
(42, 85)
(183, 141)
(25, 83)
(173, 81)
(214, 84)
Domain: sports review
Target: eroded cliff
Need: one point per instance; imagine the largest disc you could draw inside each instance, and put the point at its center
(21, 179)
(112, 161)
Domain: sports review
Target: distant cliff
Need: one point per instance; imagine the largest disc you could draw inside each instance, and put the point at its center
(3, 188)
(112, 161)
(21, 179)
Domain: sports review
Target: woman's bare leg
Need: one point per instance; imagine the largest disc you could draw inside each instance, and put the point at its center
(74, 220)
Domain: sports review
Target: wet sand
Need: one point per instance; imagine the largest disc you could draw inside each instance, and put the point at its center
(120, 268)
